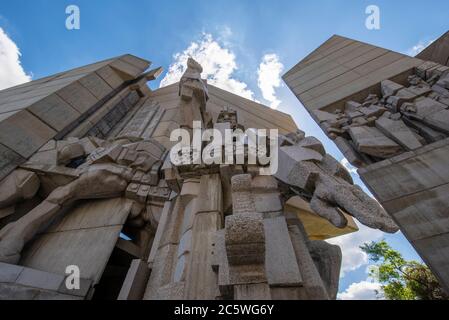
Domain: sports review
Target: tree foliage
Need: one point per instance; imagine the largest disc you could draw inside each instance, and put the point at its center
(401, 279)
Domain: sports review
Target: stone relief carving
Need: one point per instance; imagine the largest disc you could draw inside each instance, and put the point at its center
(223, 232)
(403, 118)
(112, 169)
(306, 166)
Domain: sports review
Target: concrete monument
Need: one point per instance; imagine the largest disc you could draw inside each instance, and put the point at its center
(388, 113)
(87, 183)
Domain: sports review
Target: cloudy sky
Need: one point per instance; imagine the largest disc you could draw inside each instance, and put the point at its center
(244, 47)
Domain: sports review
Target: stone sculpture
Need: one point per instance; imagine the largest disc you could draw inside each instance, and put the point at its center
(106, 173)
(224, 231)
(194, 96)
(403, 118)
(306, 166)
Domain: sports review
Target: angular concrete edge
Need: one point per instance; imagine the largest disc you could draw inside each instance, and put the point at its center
(19, 283)
(34, 113)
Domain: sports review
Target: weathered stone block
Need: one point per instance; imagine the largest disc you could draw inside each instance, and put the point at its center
(40, 279)
(83, 291)
(210, 194)
(96, 85)
(390, 88)
(55, 112)
(351, 106)
(9, 272)
(252, 292)
(24, 133)
(373, 142)
(78, 97)
(18, 292)
(245, 239)
(280, 260)
(399, 132)
(110, 76)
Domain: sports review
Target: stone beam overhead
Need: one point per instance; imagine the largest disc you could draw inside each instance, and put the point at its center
(33, 113)
(342, 68)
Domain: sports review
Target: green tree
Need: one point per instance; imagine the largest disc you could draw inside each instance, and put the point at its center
(401, 279)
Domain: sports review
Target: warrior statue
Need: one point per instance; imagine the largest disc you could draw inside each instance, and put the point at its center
(225, 232)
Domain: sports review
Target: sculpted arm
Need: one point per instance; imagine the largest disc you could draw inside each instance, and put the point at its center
(94, 183)
(306, 166)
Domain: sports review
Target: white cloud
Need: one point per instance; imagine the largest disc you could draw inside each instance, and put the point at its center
(353, 256)
(225, 33)
(269, 78)
(218, 64)
(364, 290)
(345, 163)
(11, 70)
(417, 48)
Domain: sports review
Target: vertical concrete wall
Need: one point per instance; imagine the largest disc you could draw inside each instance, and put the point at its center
(438, 51)
(414, 188)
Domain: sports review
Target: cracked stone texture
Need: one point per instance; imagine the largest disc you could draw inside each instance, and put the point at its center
(242, 197)
(398, 131)
(331, 188)
(245, 237)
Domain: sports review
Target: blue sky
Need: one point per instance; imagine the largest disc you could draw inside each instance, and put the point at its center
(243, 33)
